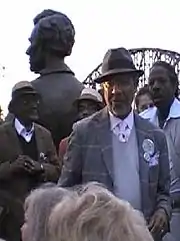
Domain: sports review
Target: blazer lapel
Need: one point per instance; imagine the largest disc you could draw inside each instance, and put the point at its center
(39, 141)
(105, 140)
(142, 134)
(11, 133)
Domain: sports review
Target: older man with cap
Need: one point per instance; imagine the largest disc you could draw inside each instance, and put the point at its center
(118, 148)
(89, 102)
(27, 158)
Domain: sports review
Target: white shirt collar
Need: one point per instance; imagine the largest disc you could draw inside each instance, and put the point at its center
(151, 113)
(21, 130)
(129, 120)
(174, 110)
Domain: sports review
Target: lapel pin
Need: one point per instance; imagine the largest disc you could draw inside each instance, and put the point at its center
(147, 157)
(42, 156)
(148, 147)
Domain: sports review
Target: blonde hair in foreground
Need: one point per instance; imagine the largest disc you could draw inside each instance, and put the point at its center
(97, 215)
(38, 206)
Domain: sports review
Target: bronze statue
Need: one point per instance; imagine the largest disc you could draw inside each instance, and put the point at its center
(51, 41)
(43, 14)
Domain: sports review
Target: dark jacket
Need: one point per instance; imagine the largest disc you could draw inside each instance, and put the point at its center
(59, 89)
(15, 187)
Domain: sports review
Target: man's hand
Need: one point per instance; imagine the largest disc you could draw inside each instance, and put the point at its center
(25, 163)
(18, 165)
(158, 223)
(31, 165)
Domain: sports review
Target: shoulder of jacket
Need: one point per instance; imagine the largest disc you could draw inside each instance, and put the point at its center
(42, 129)
(86, 122)
(147, 126)
(6, 125)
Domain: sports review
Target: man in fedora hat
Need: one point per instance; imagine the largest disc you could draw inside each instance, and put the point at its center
(27, 158)
(89, 102)
(118, 148)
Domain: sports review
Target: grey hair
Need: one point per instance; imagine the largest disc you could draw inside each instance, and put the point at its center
(38, 206)
(81, 188)
(97, 215)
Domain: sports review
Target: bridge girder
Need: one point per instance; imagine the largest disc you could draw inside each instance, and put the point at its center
(143, 59)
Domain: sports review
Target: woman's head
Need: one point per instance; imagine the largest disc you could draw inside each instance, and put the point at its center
(38, 206)
(96, 215)
(143, 99)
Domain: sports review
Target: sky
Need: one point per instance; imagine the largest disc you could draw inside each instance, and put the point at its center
(99, 25)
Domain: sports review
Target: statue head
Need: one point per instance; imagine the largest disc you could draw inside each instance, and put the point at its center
(43, 14)
(52, 37)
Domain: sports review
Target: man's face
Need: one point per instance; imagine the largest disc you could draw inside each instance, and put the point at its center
(144, 102)
(119, 92)
(35, 51)
(27, 107)
(86, 108)
(160, 86)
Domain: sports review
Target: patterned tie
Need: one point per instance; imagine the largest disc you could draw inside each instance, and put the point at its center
(122, 131)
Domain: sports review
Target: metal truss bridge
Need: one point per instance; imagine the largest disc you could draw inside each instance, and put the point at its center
(143, 59)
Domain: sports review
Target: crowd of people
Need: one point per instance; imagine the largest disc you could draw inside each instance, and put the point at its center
(86, 165)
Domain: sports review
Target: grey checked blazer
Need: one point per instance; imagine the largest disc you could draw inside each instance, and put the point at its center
(89, 158)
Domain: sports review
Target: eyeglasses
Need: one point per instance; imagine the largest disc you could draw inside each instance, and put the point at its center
(124, 83)
(28, 102)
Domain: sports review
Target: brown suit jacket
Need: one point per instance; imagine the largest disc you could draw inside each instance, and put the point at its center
(15, 187)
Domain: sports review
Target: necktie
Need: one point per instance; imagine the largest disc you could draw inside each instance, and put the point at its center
(122, 131)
